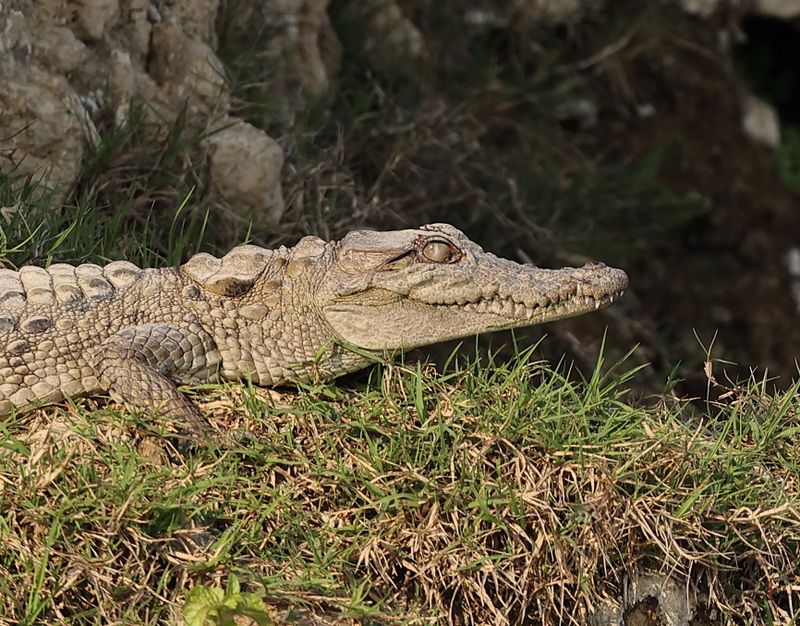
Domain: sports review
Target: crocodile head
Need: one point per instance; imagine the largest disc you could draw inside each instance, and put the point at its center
(408, 288)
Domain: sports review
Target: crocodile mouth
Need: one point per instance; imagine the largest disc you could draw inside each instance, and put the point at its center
(565, 306)
(380, 318)
(542, 295)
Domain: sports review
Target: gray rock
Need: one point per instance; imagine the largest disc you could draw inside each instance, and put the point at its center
(55, 85)
(245, 172)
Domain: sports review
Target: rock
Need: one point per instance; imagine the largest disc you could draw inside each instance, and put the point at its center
(93, 18)
(45, 128)
(188, 72)
(196, 17)
(316, 53)
(391, 36)
(578, 111)
(307, 43)
(121, 85)
(245, 168)
(781, 9)
(65, 66)
(760, 121)
(702, 8)
(658, 597)
(59, 49)
(14, 37)
(135, 31)
(792, 259)
(301, 54)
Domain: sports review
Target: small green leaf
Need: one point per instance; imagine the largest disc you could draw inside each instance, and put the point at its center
(201, 605)
(212, 607)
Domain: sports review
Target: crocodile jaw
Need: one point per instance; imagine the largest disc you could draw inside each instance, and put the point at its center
(518, 296)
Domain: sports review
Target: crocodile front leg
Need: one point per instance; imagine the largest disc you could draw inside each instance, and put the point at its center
(137, 367)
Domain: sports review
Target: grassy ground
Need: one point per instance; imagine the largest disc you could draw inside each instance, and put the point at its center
(498, 492)
(493, 494)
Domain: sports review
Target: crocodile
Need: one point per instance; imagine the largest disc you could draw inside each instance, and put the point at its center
(314, 311)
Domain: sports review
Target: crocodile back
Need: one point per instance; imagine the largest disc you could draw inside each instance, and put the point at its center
(44, 329)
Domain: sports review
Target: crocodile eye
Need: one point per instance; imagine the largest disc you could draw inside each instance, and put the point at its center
(439, 252)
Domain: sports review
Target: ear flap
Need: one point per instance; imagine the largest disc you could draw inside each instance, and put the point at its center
(232, 275)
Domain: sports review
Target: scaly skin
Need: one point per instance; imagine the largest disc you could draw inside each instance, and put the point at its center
(272, 316)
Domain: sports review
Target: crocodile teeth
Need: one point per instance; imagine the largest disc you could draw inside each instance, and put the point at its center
(507, 306)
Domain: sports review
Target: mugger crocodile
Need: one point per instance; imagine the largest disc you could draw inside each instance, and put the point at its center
(271, 316)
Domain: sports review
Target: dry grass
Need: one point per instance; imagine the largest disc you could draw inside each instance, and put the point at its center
(503, 494)
(497, 495)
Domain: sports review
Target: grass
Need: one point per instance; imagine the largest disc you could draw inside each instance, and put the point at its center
(34, 229)
(496, 493)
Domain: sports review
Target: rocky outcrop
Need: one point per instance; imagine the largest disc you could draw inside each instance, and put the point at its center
(69, 69)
